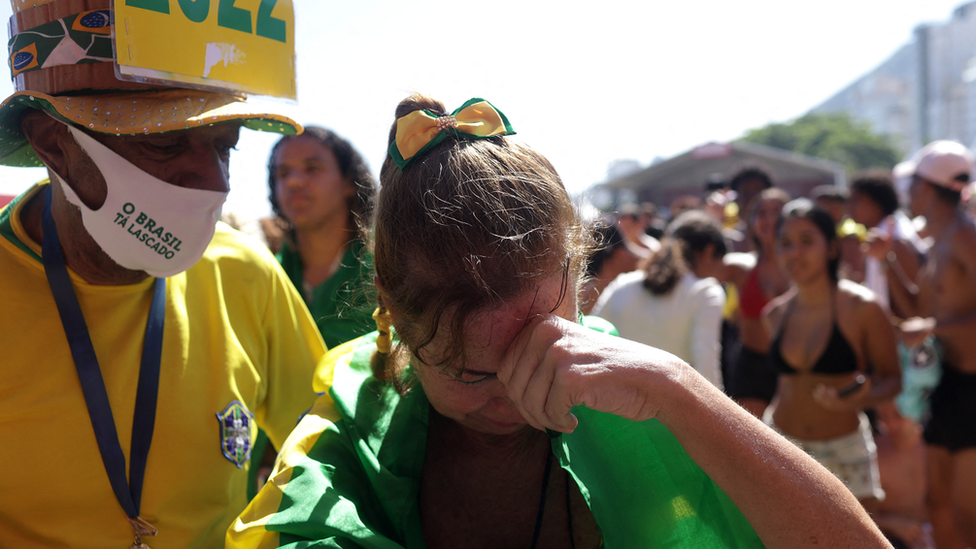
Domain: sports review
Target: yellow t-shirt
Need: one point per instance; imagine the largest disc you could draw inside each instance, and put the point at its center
(235, 331)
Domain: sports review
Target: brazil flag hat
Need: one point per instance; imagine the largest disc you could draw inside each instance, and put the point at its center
(61, 60)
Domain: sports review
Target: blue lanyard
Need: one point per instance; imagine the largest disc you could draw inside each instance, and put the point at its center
(128, 493)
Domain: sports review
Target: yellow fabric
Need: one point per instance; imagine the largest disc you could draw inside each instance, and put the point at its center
(248, 530)
(731, 215)
(849, 227)
(235, 329)
(418, 128)
(731, 301)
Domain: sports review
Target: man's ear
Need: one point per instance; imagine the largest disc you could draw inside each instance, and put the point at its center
(47, 136)
(57, 148)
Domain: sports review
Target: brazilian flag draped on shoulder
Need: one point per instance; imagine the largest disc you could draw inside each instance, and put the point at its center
(349, 474)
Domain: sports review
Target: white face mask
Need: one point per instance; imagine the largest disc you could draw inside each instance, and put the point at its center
(146, 224)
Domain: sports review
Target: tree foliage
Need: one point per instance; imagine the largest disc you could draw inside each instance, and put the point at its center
(833, 136)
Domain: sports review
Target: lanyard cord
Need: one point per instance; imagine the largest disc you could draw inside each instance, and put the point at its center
(542, 506)
(128, 493)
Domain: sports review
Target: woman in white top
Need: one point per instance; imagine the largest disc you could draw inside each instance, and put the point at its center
(674, 304)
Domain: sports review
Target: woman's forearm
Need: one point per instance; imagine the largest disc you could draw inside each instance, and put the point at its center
(790, 499)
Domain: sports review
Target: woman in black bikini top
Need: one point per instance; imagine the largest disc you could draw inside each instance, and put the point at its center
(829, 333)
(837, 358)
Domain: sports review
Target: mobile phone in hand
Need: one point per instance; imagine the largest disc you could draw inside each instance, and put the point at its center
(847, 390)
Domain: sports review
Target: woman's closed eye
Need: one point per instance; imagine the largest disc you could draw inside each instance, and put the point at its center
(470, 377)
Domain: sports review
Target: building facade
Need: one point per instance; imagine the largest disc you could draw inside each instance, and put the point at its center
(924, 91)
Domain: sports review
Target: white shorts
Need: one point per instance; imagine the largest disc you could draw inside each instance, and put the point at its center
(852, 458)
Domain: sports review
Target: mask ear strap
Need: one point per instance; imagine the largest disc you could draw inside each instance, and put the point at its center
(69, 192)
(62, 180)
(57, 119)
(87, 143)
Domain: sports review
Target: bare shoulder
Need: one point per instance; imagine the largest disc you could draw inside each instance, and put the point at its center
(964, 239)
(857, 299)
(848, 289)
(774, 311)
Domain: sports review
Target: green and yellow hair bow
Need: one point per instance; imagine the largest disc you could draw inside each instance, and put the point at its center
(421, 130)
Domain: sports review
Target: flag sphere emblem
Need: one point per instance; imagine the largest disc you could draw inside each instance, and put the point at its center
(96, 19)
(22, 59)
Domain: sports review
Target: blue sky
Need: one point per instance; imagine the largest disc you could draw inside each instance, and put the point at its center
(585, 84)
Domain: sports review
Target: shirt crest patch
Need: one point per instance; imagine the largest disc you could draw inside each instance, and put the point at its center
(235, 433)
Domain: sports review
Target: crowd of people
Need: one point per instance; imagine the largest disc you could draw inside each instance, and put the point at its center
(486, 412)
(837, 327)
(451, 356)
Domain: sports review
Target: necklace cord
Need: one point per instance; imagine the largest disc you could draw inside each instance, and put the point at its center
(542, 501)
(128, 492)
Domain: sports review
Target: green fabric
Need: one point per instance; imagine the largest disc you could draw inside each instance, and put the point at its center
(644, 490)
(85, 40)
(340, 306)
(7, 229)
(598, 324)
(358, 485)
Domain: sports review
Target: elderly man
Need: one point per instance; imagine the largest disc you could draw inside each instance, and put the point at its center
(143, 343)
(945, 301)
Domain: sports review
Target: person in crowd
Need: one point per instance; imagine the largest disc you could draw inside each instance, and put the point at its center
(684, 203)
(320, 190)
(630, 221)
(901, 463)
(274, 231)
(874, 205)
(441, 437)
(611, 257)
(321, 187)
(746, 184)
(893, 251)
(834, 350)
(944, 294)
(674, 304)
(654, 224)
(754, 280)
(143, 342)
(717, 205)
(833, 200)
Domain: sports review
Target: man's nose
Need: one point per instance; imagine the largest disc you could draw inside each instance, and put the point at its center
(291, 179)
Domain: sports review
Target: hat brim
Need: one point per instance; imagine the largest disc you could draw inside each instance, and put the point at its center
(131, 113)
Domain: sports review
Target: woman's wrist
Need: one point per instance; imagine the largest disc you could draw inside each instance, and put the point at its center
(678, 392)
